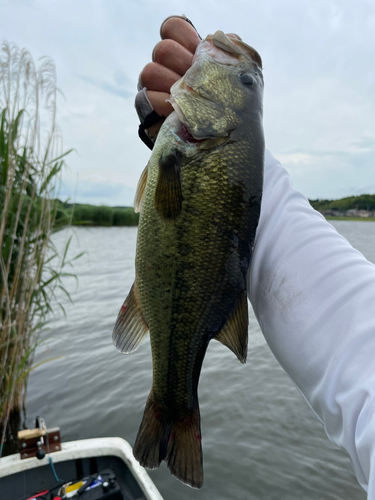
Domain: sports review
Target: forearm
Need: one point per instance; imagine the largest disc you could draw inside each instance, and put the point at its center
(314, 297)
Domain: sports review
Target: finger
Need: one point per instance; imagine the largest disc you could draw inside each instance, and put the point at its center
(180, 31)
(158, 102)
(157, 77)
(172, 55)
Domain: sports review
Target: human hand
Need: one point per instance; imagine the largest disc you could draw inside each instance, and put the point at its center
(171, 58)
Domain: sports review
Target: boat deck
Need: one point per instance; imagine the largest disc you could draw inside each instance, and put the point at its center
(19, 479)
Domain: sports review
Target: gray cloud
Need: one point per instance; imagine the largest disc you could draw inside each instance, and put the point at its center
(121, 79)
(319, 104)
(365, 143)
(97, 193)
(108, 87)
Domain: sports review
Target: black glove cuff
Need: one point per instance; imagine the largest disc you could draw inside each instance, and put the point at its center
(150, 120)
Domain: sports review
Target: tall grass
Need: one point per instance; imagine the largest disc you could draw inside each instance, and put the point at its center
(31, 161)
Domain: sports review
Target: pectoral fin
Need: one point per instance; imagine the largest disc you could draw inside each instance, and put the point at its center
(140, 190)
(131, 327)
(234, 333)
(168, 193)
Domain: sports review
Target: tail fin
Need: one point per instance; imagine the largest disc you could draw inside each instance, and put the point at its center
(178, 443)
(184, 453)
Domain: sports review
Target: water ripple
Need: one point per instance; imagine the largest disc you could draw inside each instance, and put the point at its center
(260, 440)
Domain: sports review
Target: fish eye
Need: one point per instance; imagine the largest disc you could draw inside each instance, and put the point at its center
(246, 79)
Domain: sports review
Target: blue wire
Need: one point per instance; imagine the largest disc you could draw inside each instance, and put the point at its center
(50, 460)
(53, 469)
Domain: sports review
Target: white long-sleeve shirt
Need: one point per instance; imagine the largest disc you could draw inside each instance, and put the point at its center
(314, 297)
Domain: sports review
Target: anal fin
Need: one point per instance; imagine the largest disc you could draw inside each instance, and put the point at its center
(234, 333)
(130, 327)
(168, 193)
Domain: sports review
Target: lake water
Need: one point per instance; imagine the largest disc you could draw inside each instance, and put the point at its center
(260, 439)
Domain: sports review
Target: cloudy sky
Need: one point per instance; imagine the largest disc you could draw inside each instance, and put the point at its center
(319, 70)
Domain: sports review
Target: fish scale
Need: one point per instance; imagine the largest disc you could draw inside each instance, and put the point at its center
(200, 205)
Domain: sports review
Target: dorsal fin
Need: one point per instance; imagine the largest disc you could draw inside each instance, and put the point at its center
(234, 333)
(168, 193)
(131, 327)
(140, 190)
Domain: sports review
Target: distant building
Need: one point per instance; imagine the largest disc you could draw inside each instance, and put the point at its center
(363, 213)
(353, 212)
(333, 213)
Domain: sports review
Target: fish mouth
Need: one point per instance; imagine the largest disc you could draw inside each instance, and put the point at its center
(187, 137)
(227, 50)
(184, 133)
(234, 45)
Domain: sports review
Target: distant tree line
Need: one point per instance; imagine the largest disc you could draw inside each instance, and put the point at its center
(92, 215)
(362, 202)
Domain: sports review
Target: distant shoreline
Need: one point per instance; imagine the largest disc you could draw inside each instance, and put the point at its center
(96, 215)
(355, 208)
(359, 219)
(105, 216)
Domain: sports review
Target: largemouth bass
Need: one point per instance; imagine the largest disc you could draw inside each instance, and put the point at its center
(199, 199)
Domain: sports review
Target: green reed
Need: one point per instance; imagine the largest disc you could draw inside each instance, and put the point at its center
(31, 268)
